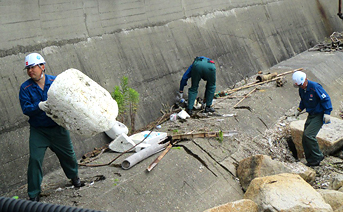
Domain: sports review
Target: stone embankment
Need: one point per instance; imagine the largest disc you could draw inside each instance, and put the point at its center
(271, 185)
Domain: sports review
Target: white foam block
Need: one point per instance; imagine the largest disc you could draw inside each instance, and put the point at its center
(81, 105)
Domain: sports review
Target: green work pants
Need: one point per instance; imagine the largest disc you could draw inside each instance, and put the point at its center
(58, 140)
(202, 69)
(310, 144)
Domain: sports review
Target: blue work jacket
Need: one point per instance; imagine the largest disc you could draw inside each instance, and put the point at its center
(30, 95)
(315, 99)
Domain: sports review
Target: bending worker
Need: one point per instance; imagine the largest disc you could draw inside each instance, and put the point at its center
(201, 68)
(318, 105)
(44, 132)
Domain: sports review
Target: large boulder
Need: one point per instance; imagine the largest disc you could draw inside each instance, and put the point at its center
(330, 137)
(285, 192)
(81, 105)
(245, 205)
(263, 165)
(336, 182)
(332, 197)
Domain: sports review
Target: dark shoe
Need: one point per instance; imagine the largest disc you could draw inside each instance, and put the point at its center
(315, 163)
(189, 111)
(35, 199)
(76, 182)
(209, 109)
(312, 164)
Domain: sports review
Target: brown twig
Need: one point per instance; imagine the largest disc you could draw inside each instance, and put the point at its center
(94, 158)
(245, 97)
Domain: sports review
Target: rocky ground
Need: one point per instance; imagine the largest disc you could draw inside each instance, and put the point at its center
(251, 130)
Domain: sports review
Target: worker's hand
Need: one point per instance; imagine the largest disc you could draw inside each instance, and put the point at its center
(326, 119)
(43, 106)
(179, 97)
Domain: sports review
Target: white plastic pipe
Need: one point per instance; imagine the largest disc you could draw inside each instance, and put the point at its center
(143, 154)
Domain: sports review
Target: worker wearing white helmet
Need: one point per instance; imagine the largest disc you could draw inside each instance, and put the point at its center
(32, 60)
(44, 132)
(299, 78)
(318, 105)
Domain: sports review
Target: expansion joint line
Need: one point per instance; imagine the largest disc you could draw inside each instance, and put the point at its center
(196, 157)
(214, 159)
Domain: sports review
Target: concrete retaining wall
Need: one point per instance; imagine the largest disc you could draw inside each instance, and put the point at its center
(152, 43)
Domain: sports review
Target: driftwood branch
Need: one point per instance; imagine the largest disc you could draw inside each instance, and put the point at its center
(159, 158)
(245, 97)
(256, 83)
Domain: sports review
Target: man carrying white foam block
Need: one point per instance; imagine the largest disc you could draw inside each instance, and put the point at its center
(44, 132)
(79, 104)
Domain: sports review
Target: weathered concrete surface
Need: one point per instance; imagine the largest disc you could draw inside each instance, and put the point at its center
(151, 42)
(330, 137)
(198, 175)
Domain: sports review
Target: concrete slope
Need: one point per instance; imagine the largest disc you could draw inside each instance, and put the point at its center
(151, 42)
(200, 173)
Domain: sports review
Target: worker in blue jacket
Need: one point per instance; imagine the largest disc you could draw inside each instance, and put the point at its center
(44, 132)
(201, 68)
(318, 105)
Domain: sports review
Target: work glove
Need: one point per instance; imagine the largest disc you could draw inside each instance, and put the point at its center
(297, 112)
(43, 105)
(326, 119)
(179, 97)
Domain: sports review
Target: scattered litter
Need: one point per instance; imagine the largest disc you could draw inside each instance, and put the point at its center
(92, 183)
(123, 142)
(183, 114)
(59, 189)
(99, 177)
(173, 117)
(270, 142)
(229, 115)
(220, 119)
(283, 124)
(15, 197)
(336, 44)
(158, 126)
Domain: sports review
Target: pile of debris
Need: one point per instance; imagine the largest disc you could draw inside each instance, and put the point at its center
(335, 44)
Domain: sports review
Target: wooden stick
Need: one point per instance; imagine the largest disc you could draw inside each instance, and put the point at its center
(260, 83)
(159, 158)
(195, 135)
(245, 97)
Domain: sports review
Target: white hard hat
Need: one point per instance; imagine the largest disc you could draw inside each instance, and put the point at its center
(299, 78)
(33, 59)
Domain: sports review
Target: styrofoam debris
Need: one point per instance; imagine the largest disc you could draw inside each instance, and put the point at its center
(117, 129)
(183, 114)
(79, 104)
